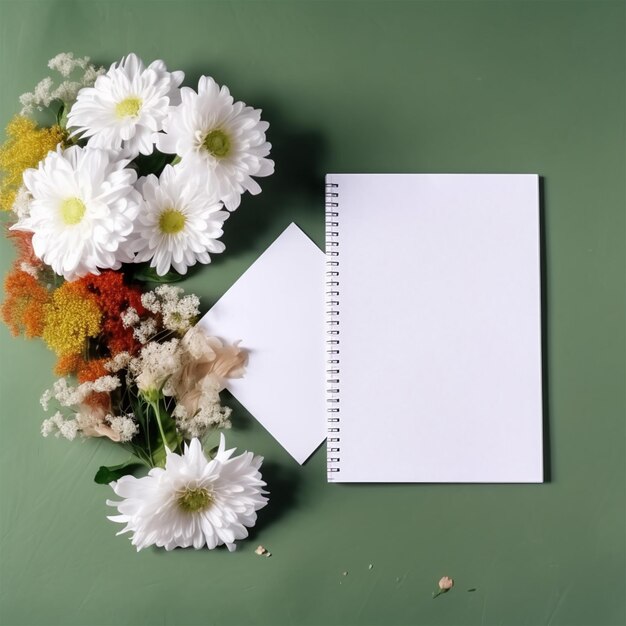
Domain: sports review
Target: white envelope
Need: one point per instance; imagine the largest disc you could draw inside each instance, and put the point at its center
(276, 310)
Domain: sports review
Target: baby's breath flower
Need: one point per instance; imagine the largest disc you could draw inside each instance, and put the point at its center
(124, 426)
(104, 384)
(27, 100)
(90, 75)
(155, 365)
(118, 362)
(168, 293)
(151, 302)
(61, 427)
(179, 312)
(46, 396)
(45, 92)
(67, 395)
(130, 317)
(145, 331)
(21, 204)
(65, 63)
(67, 91)
(179, 315)
(209, 416)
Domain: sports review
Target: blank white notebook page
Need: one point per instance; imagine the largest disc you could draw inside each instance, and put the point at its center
(435, 294)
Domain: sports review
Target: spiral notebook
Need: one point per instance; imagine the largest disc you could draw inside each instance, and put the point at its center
(433, 330)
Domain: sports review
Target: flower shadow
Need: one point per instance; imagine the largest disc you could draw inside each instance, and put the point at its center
(282, 484)
(298, 180)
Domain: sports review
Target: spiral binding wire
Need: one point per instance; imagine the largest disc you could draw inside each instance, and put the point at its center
(332, 329)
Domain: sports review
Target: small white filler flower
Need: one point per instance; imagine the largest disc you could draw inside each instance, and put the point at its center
(219, 139)
(82, 211)
(180, 222)
(192, 502)
(126, 106)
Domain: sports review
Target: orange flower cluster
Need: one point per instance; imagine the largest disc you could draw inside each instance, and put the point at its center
(83, 323)
(85, 369)
(23, 309)
(113, 297)
(23, 242)
(81, 320)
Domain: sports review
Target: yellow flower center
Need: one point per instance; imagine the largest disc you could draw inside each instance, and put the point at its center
(128, 107)
(171, 221)
(72, 210)
(217, 143)
(193, 500)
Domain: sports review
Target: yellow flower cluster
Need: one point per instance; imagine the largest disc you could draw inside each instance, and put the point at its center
(70, 318)
(25, 146)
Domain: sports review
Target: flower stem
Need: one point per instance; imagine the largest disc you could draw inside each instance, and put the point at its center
(157, 414)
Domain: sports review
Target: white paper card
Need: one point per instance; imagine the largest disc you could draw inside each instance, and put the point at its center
(276, 310)
(440, 337)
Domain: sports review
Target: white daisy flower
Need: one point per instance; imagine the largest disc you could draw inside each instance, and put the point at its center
(180, 223)
(192, 502)
(82, 211)
(126, 106)
(216, 136)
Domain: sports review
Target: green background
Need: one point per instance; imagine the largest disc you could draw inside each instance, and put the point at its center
(359, 87)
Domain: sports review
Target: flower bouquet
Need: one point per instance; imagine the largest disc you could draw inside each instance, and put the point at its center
(130, 181)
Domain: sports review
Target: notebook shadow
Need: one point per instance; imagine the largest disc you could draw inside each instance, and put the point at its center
(548, 475)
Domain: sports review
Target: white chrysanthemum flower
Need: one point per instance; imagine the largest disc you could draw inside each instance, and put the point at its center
(180, 223)
(126, 106)
(218, 137)
(82, 211)
(192, 502)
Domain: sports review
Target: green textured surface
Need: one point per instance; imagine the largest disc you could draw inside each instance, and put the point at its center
(360, 87)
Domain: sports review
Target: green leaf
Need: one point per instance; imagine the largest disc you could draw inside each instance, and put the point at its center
(105, 475)
(152, 164)
(148, 274)
(61, 116)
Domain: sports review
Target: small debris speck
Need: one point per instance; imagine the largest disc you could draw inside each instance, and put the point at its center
(370, 566)
(472, 589)
(262, 551)
(344, 573)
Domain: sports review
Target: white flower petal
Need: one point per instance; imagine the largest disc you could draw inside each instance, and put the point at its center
(230, 167)
(126, 106)
(183, 243)
(103, 205)
(151, 510)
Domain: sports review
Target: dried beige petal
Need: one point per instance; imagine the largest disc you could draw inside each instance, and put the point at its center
(446, 583)
(262, 551)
